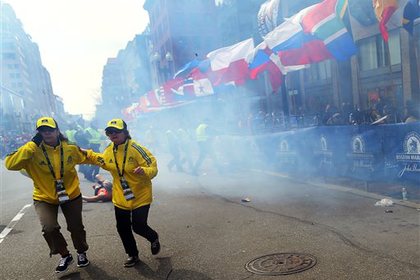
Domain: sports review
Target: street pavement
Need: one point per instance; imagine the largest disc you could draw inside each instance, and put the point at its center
(208, 230)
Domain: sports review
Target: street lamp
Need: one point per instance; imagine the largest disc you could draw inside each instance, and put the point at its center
(155, 60)
(169, 59)
(155, 57)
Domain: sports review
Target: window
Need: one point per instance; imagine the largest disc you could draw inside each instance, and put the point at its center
(394, 47)
(324, 68)
(9, 56)
(318, 71)
(367, 54)
(373, 53)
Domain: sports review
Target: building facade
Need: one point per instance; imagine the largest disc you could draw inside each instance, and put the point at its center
(124, 79)
(26, 90)
(180, 31)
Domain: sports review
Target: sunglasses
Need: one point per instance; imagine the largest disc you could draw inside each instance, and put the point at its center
(112, 131)
(46, 129)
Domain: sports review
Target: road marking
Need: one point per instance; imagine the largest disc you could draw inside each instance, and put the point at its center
(13, 222)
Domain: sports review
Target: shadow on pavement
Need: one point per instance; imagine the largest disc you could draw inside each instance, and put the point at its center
(164, 268)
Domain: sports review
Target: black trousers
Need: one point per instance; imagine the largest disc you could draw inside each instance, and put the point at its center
(135, 220)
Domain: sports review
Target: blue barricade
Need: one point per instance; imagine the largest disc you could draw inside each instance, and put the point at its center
(365, 152)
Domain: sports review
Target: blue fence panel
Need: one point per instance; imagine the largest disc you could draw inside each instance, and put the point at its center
(365, 152)
(402, 151)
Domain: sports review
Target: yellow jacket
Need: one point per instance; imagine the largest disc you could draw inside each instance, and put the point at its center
(140, 185)
(31, 158)
(201, 133)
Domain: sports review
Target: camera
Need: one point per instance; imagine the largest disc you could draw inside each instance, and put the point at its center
(128, 194)
(61, 191)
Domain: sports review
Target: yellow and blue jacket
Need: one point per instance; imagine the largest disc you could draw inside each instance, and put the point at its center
(30, 157)
(140, 184)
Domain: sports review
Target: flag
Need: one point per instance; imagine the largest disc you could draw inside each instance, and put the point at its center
(289, 34)
(130, 112)
(383, 11)
(186, 69)
(143, 104)
(173, 84)
(264, 59)
(314, 34)
(203, 87)
(324, 21)
(153, 98)
(290, 42)
(184, 92)
(311, 52)
(193, 88)
(411, 12)
(268, 16)
(229, 63)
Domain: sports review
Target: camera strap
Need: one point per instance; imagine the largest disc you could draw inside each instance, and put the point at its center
(49, 162)
(128, 194)
(59, 183)
(121, 173)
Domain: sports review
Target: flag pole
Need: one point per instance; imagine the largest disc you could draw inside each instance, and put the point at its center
(285, 100)
(416, 55)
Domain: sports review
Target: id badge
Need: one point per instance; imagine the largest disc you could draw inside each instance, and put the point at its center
(61, 191)
(128, 194)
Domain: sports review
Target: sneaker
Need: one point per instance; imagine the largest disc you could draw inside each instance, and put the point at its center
(82, 260)
(131, 261)
(64, 263)
(155, 247)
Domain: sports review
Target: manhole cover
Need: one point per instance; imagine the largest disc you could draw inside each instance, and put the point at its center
(281, 264)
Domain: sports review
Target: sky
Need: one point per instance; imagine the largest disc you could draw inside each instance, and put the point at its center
(75, 39)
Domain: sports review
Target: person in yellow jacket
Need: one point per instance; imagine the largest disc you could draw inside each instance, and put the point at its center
(132, 167)
(204, 137)
(49, 159)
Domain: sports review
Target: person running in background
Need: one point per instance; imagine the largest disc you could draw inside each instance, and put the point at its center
(185, 146)
(50, 160)
(173, 149)
(205, 136)
(102, 191)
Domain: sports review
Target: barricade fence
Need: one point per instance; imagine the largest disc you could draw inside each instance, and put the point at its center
(389, 153)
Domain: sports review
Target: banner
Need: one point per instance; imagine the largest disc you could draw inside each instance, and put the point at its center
(380, 153)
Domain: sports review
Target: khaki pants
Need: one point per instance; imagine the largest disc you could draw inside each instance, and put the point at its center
(72, 211)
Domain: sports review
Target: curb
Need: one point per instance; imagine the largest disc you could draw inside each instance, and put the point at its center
(375, 196)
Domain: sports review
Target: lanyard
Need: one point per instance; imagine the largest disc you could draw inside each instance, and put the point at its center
(121, 174)
(49, 162)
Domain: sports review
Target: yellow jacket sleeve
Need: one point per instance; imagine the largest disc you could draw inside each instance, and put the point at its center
(18, 159)
(91, 157)
(147, 158)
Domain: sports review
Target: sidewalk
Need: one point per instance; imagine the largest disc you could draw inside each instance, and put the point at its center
(376, 190)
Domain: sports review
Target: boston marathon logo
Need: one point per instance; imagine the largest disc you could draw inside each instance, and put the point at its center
(323, 152)
(411, 156)
(360, 158)
(285, 155)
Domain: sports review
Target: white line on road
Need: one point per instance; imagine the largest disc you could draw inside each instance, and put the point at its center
(13, 222)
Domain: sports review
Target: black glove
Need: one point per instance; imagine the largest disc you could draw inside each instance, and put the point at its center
(37, 139)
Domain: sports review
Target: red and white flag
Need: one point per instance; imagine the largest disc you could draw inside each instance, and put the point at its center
(229, 64)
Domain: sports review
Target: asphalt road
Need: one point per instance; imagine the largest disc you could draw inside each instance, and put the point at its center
(208, 232)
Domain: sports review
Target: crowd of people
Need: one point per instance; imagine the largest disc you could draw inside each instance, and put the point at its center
(378, 113)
